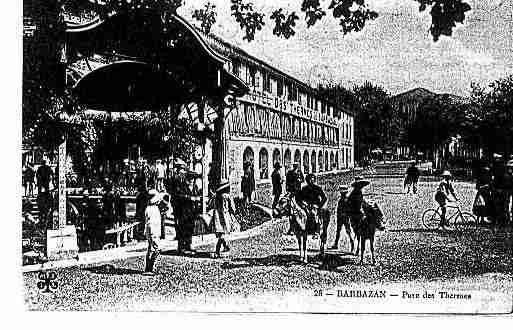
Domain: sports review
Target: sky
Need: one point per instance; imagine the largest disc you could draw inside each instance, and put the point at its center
(395, 51)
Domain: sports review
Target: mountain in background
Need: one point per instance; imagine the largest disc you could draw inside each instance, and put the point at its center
(418, 95)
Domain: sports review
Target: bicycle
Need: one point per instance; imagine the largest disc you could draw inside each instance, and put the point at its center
(432, 218)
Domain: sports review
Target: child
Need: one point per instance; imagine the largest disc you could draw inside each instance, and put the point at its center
(224, 221)
(152, 230)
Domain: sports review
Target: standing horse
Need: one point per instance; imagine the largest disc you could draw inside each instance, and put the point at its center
(301, 223)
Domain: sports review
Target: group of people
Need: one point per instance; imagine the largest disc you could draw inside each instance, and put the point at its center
(494, 197)
(223, 219)
(310, 197)
(129, 174)
(42, 177)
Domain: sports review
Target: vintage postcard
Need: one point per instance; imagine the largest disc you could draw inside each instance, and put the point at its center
(291, 156)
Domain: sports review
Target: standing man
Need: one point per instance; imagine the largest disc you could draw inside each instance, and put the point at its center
(152, 231)
(293, 182)
(183, 207)
(355, 201)
(141, 201)
(277, 182)
(412, 178)
(342, 217)
(245, 184)
(251, 180)
(28, 180)
(108, 202)
(161, 175)
(44, 176)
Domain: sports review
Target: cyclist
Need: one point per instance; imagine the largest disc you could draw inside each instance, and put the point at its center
(443, 191)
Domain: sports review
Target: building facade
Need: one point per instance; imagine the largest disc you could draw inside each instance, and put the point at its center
(282, 120)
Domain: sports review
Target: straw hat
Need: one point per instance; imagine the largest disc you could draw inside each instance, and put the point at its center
(344, 187)
(446, 173)
(155, 196)
(224, 184)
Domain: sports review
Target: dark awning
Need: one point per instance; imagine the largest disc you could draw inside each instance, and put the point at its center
(127, 86)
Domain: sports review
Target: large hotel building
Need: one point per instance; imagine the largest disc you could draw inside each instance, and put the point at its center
(282, 119)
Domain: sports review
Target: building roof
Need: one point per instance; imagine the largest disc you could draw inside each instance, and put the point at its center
(231, 51)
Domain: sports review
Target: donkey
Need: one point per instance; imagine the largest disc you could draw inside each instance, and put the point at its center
(365, 228)
(301, 224)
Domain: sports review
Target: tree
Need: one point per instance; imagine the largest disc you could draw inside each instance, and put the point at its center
(351, 14)
(45, 95)
(377, 123)
(491, 114)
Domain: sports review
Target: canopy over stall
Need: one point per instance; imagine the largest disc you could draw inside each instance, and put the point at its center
(147, 61)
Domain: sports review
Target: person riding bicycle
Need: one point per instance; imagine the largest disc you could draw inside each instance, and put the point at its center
(443, 191)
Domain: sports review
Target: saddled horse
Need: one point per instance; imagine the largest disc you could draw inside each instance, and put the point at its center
(302, 223)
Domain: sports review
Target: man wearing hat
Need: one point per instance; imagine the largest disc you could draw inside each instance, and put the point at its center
(184, 209)
(277, 182)
(445, 189)
(161, 174)
(152, 230)
(355, 200)
(312, 198)
(293, 179)
(342, 216)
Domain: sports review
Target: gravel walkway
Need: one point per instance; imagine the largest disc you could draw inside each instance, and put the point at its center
(268, 262)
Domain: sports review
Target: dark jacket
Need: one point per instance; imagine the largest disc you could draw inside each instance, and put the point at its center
(342, 205)
(413, 173)
(354, 202)
(28, 174)
(43, 174)
(245, 185)
(276, 180)
(293, 181)
(312, 195)
(141, 201)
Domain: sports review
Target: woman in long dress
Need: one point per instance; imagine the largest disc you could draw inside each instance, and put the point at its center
(224, 221)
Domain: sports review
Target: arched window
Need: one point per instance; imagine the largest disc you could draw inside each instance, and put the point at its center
(287, 159)
(336, 161)
(306, 162)
(320, 157)
(263, 161)
(247, 156)
(297, 157)
(326, 161)
(276, 156)
(313, 161)
(332, 161)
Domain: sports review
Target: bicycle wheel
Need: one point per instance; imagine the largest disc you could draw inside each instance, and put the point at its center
(431, 219)
(466, 221)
